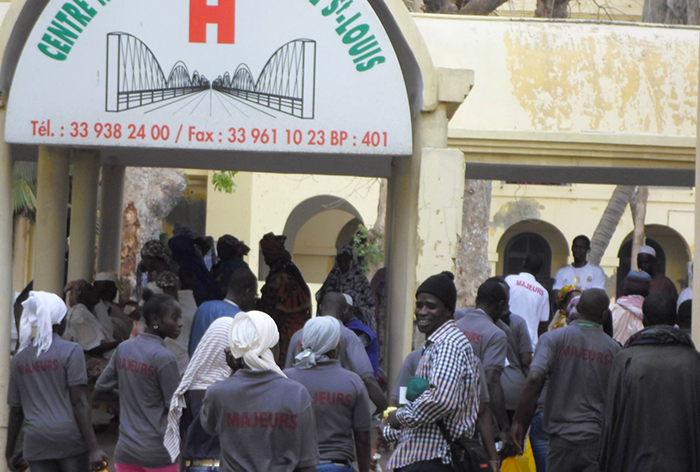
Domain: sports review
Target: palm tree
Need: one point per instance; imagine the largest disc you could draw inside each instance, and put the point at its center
(24, 182)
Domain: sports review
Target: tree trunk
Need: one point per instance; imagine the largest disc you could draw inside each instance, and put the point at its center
(552, 9)
(439, 6)
(671, 12)
(481, 7)
(378, 232)
(639, 212)
(621, 197)
(473, 254)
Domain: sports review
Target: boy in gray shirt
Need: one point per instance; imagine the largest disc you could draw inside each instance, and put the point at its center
(47, 391)
(578, 360)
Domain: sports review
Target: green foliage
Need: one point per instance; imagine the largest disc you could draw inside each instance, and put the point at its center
(369, 246)
(24, 179)
(223, 181)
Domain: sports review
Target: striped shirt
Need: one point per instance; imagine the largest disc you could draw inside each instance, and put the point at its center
(449, 364)
(207, 366)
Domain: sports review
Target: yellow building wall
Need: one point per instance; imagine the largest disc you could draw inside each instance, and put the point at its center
(567, 211)
(567, 76)
(263, 202)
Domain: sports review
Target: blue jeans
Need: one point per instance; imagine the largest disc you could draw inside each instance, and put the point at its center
(331, 467)
(539, 442)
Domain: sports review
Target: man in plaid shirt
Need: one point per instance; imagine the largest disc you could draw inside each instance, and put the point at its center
(449, 365)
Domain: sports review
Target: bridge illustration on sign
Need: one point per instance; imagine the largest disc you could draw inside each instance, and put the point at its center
(286, 83)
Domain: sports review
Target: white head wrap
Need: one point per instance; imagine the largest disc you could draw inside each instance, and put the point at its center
(41, 310)
(208, 365)
(321, 335)
(253, 334)
(647, 250)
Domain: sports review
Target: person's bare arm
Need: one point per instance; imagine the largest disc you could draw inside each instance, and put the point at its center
(485, 424)
(498, 401)
(542, 328)
(81, 411)
(375, 393)
(13, 427)
(526, 408)
(363, 449)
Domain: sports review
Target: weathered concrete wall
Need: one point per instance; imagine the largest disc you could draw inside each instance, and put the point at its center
(544, 76)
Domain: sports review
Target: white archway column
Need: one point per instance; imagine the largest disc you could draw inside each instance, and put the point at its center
(424, 220)
(51, 219)
(5, 279)
(696, 259)
(109, 252)
(86, 175)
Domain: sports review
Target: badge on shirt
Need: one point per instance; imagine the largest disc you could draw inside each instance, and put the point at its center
(589, 279)
(577, 280)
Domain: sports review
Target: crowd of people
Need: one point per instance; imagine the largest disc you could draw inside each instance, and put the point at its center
(204, 375)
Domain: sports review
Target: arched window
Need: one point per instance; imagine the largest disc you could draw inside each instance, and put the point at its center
(520, 246)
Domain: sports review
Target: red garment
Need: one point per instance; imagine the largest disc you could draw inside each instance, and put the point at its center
(661, 283)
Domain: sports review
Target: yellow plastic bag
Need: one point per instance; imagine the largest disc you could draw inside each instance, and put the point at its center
(524, 463)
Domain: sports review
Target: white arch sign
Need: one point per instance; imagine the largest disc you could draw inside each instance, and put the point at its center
(311, 76)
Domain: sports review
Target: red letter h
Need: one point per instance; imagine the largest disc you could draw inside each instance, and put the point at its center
(223, 15)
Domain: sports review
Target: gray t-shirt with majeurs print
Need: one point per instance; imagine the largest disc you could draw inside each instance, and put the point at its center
(489, 342)
(341, 406)
(146, 374)
(40, 386)
(578, 359)
(265, 422)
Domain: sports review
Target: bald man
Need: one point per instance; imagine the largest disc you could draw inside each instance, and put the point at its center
(578, 361)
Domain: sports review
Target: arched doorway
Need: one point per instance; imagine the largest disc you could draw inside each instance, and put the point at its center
(532, 236)
(314, 229)
(520, 246)
(672, 255)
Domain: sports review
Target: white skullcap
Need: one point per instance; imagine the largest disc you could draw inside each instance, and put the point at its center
(253, 334)
(647, 250)
(321, 335)
(348, 299)
(106, 277)
(41, 310)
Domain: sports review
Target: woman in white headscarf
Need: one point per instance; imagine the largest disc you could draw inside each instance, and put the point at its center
(341, 406)
(264, 421)
(47, 391)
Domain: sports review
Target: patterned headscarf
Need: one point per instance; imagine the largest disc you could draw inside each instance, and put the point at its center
(167, 278)
(563, 292)
(272, 247)
(74, 290)
(660, 334)
(354, 283)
